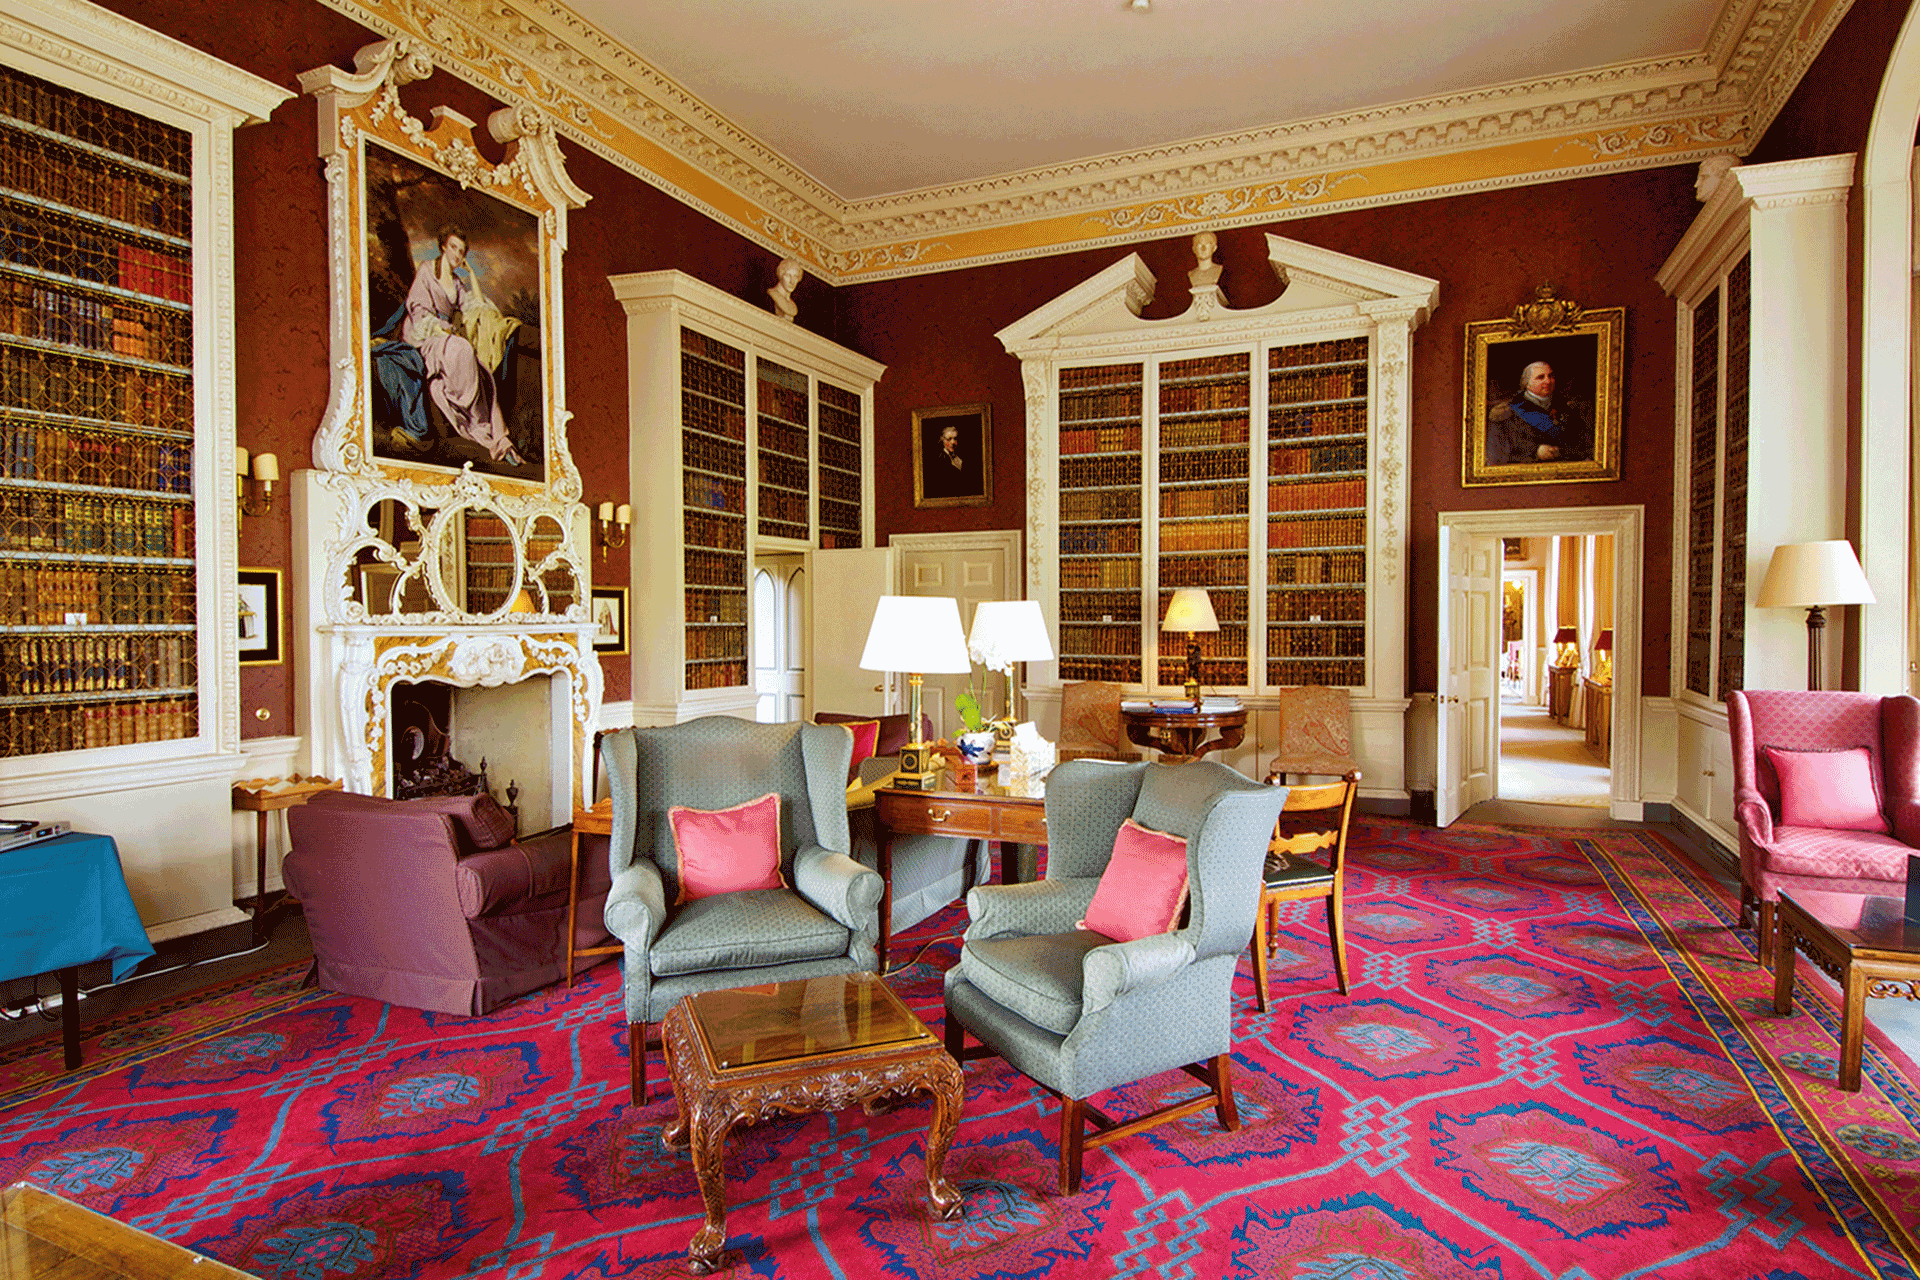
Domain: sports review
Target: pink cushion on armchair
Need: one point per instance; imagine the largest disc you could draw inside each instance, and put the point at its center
(1831, 790)
(727, 850)
(1144, 886)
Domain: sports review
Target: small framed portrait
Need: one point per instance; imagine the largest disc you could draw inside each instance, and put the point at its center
(259, 618)
(610, 619)
(1543, 396)
(953, 456)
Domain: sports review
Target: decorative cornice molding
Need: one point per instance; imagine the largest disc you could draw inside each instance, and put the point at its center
(604, 96)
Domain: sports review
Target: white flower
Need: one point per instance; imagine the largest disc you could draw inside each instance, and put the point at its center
(988, 655)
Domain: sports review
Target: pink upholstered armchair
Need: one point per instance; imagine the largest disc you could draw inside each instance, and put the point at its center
(1829, 821)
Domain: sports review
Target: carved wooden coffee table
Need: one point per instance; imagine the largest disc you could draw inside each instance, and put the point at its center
(1863, 942)
(818, 1044)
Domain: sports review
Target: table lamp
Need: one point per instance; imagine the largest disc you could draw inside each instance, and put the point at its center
(1192, 612)
(1005, 632)
(1813, 575)
(1603, 657)
(1568, 639)
(916, 634)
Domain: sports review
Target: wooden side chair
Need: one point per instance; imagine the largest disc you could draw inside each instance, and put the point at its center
(1316, 734)
(1090, 727)
(1291, 876)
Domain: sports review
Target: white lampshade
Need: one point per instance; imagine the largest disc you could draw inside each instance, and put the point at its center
(1814, 573)
(1013, 630)
(1190, 610)
(916, 633)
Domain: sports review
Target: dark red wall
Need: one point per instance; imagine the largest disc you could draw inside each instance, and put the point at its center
(1599, 240)
(1830, 109)
(280, 275)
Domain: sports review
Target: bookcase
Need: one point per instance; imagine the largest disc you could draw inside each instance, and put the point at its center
(773, 426)
(1297, 531)
(99, 562)
(1760, 437)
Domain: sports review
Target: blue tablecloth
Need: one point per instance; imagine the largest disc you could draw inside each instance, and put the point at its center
(64, 902)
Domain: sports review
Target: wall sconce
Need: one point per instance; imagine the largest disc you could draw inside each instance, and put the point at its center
(254, 484)
(614, 524)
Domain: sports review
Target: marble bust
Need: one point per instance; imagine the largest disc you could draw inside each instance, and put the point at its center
(790, 271)
(1205, 245)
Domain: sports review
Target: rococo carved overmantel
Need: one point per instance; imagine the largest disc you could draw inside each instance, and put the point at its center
(445, 422)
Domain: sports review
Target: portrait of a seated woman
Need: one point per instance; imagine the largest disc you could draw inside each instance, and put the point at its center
(453, 291)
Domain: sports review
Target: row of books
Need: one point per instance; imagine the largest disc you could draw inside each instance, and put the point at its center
(714, 532)
(41, 730)
(693, 342)
(66, 455)
(1100, 504)
(1116, 670)
(1100, 641)
(1321, 672)
(1100, 573)
(120, 595)
(1326, 352)
(839, 454)
(725, 674)
(1099, 539)
(40, 520)
(32, 665)
(1204, 535)
(841, 486)
(62, 385)
(844, 516)
(1313, 567)
(1099, 375)
(1203, 467)
(783, 505)
(1317, 531)
(714, 493)
(839, 541)
(1100, 606)
(701, 414)
(1317, 642)
(1236, 394)
(1317, 384)
(1215, 671)
(1229, 607)
(1317, 495)
(1115, 438)
(28, 310)
(1196, 368)
(779, 438)
(1119, 472)
(47, 170)
(781, 404)
(716, 642)
(1103, 405)
(1318, 604)
(54, 246)
(728, 608)
(1321, 420)
(788, 473)
(75, 115)
(708, 454)
(1309, 460)
(715, 568)
(839, 414)
(1216, 573)
(1180, 503)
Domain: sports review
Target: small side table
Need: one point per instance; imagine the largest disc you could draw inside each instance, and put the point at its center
(262, 796)
(1180, 736)
(597, 821)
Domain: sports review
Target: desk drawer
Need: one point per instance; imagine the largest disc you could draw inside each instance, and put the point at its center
(976, 819)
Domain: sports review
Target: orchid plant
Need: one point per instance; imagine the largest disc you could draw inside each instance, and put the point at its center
(988, 654)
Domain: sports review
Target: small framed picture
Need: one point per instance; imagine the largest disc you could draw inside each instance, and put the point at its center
(610, 619)
(953, 456)
(259, 620)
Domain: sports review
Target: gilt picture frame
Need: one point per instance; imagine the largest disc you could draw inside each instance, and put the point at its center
(1567, 431)
(953, 456)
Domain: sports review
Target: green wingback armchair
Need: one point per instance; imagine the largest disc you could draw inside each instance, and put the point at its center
(828, 922)
(1080, 1013)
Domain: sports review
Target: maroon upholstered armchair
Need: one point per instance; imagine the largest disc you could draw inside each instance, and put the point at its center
(432, 904)
(1775, 852)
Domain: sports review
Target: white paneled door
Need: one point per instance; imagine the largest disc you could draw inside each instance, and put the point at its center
(972, 568)
(1469, 674)
(846, 584)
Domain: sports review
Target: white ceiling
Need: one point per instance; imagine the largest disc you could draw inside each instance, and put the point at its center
(872, 97)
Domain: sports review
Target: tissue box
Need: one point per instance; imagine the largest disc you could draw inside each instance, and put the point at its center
(1029, 759)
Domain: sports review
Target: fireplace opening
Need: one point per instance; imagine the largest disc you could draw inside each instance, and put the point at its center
(423, 744)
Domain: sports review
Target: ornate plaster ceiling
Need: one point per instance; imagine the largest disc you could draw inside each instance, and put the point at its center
(884, 137)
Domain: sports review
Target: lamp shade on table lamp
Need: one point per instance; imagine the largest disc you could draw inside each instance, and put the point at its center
(1568, 638)
(1191, 611)
(916, 634)
(1005, 632)
(1813, 575)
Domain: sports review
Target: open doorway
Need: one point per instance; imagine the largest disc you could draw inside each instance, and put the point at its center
(1556, 674)
(779, 639)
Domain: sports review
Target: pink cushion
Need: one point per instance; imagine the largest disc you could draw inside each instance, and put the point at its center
(866, 740)
(1832, 790)
(727, 850)
(1143, 888)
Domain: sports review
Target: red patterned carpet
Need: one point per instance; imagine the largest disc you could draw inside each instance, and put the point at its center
(1556, 1061)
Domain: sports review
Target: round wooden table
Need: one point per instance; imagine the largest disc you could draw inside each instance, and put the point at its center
(1181, 735)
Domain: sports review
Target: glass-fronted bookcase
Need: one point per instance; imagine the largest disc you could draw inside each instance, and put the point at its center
(1260, 454)
(772, 426)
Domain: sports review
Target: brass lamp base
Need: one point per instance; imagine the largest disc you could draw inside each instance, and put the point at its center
(920, 768)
